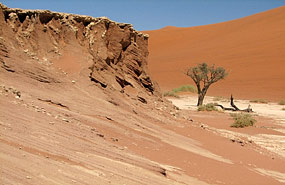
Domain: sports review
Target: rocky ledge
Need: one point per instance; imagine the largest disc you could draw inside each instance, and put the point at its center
(115, 53)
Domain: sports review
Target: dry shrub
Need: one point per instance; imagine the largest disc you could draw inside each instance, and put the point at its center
(207, 107)
(282, 102)
(242, 120)
(258, 101)
(171, 94)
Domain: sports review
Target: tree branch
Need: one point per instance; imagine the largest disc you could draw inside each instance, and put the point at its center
(235, 108)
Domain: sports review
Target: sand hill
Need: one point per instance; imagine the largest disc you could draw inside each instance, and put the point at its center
(252, 49)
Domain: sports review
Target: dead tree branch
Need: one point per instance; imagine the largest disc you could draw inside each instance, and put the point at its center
(234, 107)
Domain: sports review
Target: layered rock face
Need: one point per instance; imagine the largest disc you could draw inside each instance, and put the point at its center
(113, 55)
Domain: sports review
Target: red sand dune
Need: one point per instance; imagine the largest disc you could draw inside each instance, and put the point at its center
(252, 49)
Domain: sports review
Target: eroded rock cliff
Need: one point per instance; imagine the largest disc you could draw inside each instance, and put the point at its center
(111, 54)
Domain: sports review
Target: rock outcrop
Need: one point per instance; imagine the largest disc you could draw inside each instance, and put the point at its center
(111, 54)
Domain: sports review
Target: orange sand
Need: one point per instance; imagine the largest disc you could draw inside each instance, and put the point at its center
(252, 49)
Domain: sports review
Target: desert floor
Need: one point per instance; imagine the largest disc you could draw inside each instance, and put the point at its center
(268, 133)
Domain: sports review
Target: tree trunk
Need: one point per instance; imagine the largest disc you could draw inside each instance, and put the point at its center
(201, 97)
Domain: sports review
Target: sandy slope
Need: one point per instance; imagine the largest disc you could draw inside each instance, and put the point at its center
(88, 140)
(251, 49)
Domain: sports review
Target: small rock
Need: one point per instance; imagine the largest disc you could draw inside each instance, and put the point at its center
(100, 135)
(66, 120)
(28, 177)
(141, 99)
(115, 139)
(163, 172)
(189, 119)
(73, 81)
(203, 126)
(241, 142)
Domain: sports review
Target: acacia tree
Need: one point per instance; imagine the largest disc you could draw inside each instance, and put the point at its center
(203, 76)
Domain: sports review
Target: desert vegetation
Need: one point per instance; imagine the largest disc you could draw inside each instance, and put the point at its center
(184, 88)
(204, 76)
(220, 98)
(207, 107)
(242, 120)
(171, 94)
(259, 101)
(282, 102)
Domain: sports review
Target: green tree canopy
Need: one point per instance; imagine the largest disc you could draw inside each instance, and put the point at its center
(203, 76)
